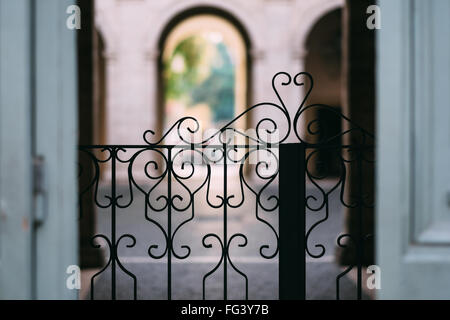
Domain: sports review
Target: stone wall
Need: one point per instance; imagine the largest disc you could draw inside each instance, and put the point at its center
(132, 30)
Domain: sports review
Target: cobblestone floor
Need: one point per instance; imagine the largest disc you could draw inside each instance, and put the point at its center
(187, 274)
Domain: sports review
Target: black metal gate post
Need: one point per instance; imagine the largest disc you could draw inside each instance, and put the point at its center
(292, 222)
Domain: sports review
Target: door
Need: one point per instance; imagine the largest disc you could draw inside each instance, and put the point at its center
(15, 151)
(413, 176)
(38, 141)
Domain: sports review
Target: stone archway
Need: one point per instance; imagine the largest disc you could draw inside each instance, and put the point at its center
(323, 60)
(234, 36)
(308, 19)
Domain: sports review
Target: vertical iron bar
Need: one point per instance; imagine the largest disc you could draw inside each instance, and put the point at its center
(169, 225)
(113, 224)
(292, 258)
(360, 240)
(225, 240)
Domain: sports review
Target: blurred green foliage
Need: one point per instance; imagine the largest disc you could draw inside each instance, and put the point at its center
(188, 84)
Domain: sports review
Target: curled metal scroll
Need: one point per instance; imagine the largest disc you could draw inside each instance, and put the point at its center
(169, 171)
(190, 125)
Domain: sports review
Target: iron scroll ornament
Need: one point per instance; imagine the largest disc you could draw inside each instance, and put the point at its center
(161, 172)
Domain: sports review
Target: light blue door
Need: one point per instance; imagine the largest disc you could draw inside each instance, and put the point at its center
(15, 151)
(38, 94)
(413, 176)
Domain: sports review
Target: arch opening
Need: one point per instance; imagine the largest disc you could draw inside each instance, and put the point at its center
(203, 70)
(323, 61)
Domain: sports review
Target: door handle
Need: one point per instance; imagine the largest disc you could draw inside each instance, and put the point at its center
(39, 191)
(448, 199)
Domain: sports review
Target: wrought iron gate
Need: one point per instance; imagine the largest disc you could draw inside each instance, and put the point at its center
(263, 154)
